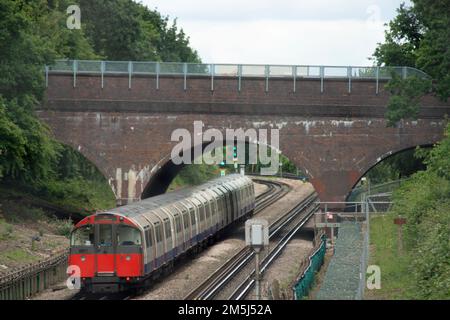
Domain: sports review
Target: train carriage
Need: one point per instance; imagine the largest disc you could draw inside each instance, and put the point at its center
(130, 245)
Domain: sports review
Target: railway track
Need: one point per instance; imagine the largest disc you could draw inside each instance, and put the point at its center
(275, 191)
(234, 279)
(110, 296)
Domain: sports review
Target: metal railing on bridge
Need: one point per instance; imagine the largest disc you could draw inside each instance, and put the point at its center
(376, 190)
(238, 71)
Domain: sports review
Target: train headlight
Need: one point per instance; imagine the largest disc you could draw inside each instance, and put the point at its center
(128, 258)
(83, 258)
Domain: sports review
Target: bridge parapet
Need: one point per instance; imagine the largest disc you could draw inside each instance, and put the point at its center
(237, 71)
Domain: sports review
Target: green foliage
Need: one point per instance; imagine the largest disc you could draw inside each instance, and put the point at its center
(425, 202)
(63, 228)
(192, 175)
(126, 30)
(12, 144)
(396, 280)
(398, 166)
(6, 230)
(438, 159)
(85, 196)
(17, 255)
(33, 34)
(18, 212)
(406, 94)
(417, 37)
(286, 165)
(401, 39)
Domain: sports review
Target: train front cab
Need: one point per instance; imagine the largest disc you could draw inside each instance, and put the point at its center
(108, 250)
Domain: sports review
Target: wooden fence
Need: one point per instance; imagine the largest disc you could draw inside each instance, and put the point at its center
(31, 279)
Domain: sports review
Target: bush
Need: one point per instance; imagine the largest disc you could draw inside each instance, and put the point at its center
(64, 227)
(424, 201)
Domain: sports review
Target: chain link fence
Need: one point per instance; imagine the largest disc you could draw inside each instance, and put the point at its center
(310, 267)
(345, 278)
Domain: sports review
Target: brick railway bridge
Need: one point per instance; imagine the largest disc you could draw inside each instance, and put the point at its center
(120, 116)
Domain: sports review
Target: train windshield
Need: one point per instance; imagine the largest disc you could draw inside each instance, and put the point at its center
(105, 235)
(128, 236)
(83, 236)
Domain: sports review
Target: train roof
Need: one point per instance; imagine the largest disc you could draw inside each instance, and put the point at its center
(139, 207)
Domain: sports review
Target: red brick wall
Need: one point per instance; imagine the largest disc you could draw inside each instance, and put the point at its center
(335, 136)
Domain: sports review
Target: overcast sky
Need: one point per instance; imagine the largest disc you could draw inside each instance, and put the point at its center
(323, 32)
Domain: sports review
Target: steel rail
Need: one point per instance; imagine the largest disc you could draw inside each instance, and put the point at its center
(243, 290)
(216, 281)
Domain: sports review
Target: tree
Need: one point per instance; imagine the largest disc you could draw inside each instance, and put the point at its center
(417, 37)
(126, 30)
(405, 98)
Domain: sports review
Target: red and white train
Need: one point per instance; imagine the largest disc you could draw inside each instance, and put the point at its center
(129, 246)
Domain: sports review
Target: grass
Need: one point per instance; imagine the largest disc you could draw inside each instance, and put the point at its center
(6, 230)
(396, 282)
(16, 255)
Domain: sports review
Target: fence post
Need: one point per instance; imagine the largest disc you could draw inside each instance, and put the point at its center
(130, 71)
(212, 67)
(378, 80)
(321, 78)
(157, 75)
(102, 67)
(266, 72)
(239, 77)
(184, 75)
(349, 74)
(75, 68)
(294, 75)
(46, 76)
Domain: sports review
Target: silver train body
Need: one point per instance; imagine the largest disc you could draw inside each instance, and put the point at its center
(176, 222)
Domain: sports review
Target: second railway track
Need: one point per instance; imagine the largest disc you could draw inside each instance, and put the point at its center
(233, 280)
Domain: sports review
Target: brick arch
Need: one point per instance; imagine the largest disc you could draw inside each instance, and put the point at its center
(384, 157)
(89, 155)
(129, 148)
(165, 171)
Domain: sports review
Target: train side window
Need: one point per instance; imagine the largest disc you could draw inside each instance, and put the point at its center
(185, 219)
(167, 229)
(192, 214)
(207, 209)
(150, 236)
(201, 210)
(147, 238)
(178, 222)
(83, 236)
(214, 207)
(128, 236)
(158, 232)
